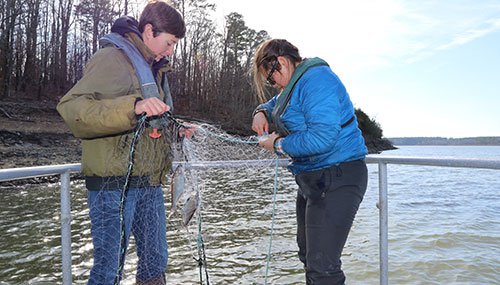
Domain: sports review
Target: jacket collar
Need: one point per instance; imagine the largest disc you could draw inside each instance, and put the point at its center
(143, 49)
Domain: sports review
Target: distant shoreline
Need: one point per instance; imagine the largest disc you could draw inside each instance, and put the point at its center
(437, 141)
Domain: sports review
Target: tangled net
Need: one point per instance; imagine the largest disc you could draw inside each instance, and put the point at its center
(208, 148)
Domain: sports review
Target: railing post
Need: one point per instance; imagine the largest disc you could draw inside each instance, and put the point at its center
(66, 229)
(383, 224)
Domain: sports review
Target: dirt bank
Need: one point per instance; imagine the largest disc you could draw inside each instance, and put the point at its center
(33, 134)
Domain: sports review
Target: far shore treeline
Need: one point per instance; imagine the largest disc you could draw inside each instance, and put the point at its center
(45, 44)
(446, 141)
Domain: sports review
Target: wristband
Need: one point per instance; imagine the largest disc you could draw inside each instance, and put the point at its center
(278, 149)
(258, 111)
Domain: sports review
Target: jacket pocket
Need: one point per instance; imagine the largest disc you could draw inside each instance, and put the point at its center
(314, 184)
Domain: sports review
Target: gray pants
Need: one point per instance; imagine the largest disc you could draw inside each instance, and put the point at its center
(327, 202)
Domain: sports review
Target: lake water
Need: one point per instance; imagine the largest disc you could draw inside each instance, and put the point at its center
(444, 228)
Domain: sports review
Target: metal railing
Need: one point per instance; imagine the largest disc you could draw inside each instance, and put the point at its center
(382, 161)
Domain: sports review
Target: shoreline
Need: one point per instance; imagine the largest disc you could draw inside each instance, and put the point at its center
(33, 134)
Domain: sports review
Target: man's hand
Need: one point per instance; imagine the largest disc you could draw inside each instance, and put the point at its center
(151, 106)
(189, 131)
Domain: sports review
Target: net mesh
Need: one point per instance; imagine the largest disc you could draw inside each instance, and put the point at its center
(135, 213)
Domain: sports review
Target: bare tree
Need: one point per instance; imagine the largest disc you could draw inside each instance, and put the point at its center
(195, 52)
(96, 17)
(65, 8)
(12, 9)
(29, 77)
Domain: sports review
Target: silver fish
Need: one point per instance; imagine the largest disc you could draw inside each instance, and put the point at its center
(177, 186)
(189, 208)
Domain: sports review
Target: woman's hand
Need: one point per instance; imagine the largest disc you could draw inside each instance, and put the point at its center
(260, 124)
(269, 143)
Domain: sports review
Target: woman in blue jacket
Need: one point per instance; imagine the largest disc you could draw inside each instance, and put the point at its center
(317, 129)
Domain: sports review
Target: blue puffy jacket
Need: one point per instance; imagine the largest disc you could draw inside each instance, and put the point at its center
(318, 107)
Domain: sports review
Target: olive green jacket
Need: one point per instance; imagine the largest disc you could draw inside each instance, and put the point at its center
(99, 109)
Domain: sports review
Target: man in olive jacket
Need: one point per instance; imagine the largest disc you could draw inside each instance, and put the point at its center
(102, 109)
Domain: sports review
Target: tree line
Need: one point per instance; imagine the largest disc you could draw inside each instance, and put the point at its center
(45, 44)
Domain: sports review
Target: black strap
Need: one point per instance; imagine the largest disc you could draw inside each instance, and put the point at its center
(348, 122)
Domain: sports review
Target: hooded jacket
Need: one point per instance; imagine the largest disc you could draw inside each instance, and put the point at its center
(99, 110)
(315, 117)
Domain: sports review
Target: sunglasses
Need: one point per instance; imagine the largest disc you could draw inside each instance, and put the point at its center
(269, 78)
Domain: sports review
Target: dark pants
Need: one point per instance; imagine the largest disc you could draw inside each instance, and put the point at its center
(327, 202)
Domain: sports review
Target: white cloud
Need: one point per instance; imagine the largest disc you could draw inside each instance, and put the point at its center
(472, 34)
(431, 27)
(363, 35)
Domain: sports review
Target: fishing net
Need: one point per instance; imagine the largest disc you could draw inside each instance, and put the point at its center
(138, 218)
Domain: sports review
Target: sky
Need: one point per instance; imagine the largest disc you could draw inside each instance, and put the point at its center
(427, 68)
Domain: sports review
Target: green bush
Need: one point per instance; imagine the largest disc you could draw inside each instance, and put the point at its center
(370, 128)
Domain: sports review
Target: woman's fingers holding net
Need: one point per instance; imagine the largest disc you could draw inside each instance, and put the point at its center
(260, 124)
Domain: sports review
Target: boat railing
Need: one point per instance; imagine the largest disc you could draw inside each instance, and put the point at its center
(382, 160)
